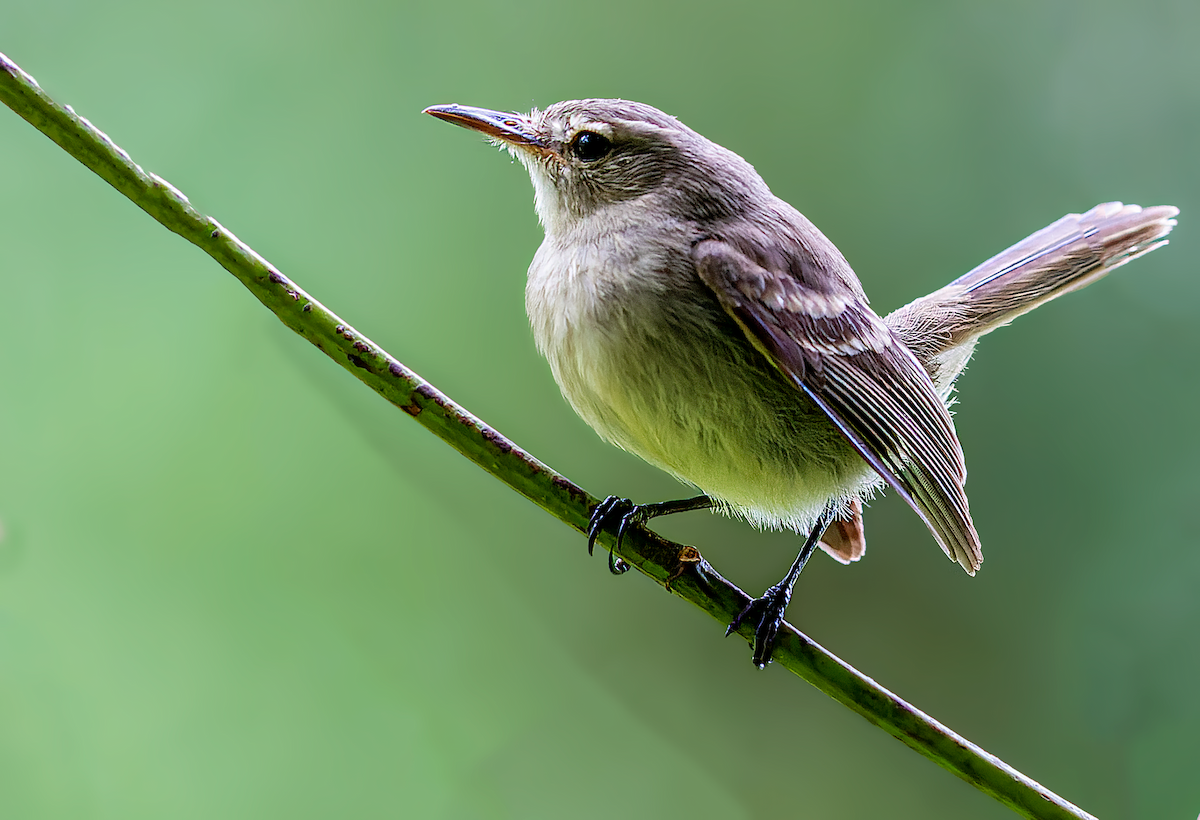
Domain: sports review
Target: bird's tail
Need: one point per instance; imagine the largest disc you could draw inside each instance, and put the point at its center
(942, 328)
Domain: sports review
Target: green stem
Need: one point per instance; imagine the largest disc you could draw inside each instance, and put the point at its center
(679, 568)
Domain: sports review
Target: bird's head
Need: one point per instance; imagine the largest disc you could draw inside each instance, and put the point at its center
(586, 156)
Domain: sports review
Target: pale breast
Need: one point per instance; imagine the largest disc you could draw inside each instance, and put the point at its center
(646, 356)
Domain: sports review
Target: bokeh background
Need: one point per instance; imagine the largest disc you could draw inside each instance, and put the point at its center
(234, 583)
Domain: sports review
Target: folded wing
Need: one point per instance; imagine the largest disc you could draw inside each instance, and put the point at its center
(847, 361)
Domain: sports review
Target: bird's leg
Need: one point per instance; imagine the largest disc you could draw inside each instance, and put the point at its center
(766, 613)
(624, 513)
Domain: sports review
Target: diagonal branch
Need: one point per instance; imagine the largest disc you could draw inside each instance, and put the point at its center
(679, 568)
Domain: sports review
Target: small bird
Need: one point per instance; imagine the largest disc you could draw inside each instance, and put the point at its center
(695, 319)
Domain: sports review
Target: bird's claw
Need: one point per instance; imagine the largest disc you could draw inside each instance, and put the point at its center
(766, 614)
(625, 513)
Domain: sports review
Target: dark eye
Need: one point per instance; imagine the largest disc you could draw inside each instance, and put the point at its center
(590, 146)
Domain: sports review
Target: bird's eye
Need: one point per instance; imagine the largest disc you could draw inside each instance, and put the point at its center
(590, 146)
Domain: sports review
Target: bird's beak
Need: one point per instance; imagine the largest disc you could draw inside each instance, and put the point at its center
(513, 129)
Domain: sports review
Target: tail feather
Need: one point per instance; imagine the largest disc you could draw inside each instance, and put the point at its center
(942, 328)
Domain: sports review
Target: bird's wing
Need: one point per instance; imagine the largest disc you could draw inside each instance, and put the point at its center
(843, 357)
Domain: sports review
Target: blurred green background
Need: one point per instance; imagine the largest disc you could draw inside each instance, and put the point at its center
(234, 583)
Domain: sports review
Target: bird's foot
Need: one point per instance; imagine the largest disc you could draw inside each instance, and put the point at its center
(622, 513)
(766, 614)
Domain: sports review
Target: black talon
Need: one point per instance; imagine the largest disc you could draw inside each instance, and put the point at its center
(634, 515)
(599, 516)
(616, 564)
(626, 513)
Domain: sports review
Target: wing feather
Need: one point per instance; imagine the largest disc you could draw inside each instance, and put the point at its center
(846, 359)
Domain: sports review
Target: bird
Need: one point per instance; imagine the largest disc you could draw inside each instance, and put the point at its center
(693, 318)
